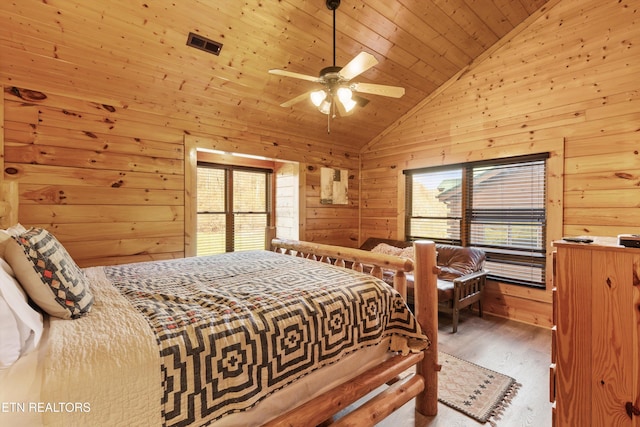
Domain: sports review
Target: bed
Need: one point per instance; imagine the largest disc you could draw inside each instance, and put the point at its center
(281, 337)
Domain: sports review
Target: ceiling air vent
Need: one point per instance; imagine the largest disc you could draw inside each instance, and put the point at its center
(202, 43)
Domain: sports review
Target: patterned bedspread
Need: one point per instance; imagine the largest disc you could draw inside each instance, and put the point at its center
(234, 328)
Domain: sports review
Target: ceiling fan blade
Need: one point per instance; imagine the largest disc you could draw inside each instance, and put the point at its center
(295, 100)
(358, 65)
(294, 75)
(374, 89)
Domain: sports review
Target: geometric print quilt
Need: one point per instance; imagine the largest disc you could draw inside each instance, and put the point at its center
(234, 328)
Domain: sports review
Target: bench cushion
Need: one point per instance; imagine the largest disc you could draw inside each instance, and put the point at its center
(454, 261)
(457, 261)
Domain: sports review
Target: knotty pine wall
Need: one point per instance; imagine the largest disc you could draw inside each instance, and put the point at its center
(565, 82)
(108, 176)
(109, 181)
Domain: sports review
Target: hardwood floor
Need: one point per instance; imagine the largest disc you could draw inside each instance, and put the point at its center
(512, 348)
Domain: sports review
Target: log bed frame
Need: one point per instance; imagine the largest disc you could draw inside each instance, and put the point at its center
(422, 386)
(8, 203)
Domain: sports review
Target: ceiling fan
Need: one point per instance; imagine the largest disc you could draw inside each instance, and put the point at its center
(337, 84)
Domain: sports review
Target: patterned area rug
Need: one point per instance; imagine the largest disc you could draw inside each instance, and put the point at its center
(478, 392)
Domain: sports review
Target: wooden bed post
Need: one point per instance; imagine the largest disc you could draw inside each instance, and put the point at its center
(269, 235)
(426, 311)
(8, 203)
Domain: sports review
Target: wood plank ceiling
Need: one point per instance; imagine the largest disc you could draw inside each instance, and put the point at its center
(133, 53)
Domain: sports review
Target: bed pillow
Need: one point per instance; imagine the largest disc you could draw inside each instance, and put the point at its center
(4, 240)
(16, 230)
(20, 325)
(9, 336)
(6, 267)
(49, 275)
(5, 236)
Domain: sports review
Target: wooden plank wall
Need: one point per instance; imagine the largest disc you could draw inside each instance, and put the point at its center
(331, 223)
(569, 76)
(107, 184)
(109, 181)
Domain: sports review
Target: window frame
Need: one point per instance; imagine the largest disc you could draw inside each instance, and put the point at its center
(409, 208)
(229, 213)
(535, 258)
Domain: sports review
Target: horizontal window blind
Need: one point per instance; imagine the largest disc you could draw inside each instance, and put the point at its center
(506, 218)
(234, 208)
(508, 205)
(211, 234)
(211, 189)
(249, 231)
(498, 206)
(211, 218)
(250, 209)
(435, 205)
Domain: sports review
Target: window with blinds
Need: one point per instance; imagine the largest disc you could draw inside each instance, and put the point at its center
(497, 206)
(234, 208)
(434, 205)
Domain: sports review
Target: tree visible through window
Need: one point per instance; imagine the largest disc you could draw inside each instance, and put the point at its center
(234, 208)
(496, 206)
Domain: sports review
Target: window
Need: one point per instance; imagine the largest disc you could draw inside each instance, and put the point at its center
(434, 205)
(498, 206)
(234, 208)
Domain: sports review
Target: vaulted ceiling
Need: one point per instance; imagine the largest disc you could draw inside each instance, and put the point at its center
(133, 53)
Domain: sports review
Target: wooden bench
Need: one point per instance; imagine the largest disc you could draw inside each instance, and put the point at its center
(461, 277)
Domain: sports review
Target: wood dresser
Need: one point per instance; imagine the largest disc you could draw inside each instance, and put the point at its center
(595, 375)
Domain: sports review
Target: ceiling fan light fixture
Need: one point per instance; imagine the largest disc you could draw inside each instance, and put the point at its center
(345, 97)
(349, 104)
(325, 106)
(317, 97)
(339, 95)
(344, 94)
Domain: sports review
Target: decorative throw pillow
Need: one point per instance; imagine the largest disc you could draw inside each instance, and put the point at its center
(20, 325)
(49, 275)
